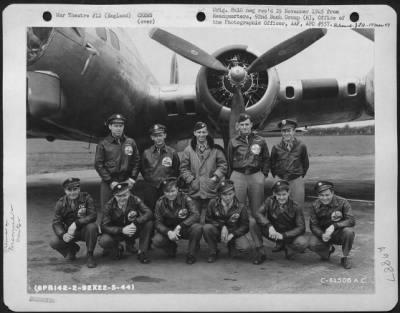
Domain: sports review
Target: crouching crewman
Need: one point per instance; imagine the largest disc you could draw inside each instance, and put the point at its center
(281, 219)
(227, 221)
(331, 222)
(177, 218)
(126, 218)
(74, 220)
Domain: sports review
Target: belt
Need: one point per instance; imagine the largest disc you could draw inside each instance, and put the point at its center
(247, 170)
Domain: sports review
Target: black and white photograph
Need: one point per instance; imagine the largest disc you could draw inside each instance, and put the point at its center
(182, 161)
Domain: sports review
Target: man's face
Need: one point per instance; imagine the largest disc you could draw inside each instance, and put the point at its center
(172, 193)
(227, 197)
(122, 198)
(72, 192)
(282, 196)
(326, 196)
(201, 135)
(159, 138)
(245, 127)
(288, 134)
(117, 129)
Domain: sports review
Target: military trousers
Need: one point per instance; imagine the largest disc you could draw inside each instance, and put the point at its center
(212, 236)
(143, 232)
(296, 244)
(192, 233)
(87, 233)
(343, 236)
(201, 206)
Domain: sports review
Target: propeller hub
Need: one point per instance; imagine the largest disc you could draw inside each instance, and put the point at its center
(237, 75)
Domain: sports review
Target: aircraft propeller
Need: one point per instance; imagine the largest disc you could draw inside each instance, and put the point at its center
(238, 74)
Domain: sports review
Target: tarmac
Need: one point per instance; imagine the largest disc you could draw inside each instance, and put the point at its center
(306, 274)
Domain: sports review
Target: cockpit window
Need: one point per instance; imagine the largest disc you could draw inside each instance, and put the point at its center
(114, 40)
(102, 33)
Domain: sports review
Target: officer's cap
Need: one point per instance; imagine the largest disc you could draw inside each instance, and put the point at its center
(167, 183)
(120, 188)
(71, 182)
(116, 118)
(285, 124)
(280, 185)
(244, 117)
(323, 185)
(157, 129)
(225, 186)
(199, 125)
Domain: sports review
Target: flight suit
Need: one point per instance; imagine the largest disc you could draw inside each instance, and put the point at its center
(291, 165)
(337, 213)
(84, 214)
(287, 220)
(115, 219)
(236, 219)
(182, 211)
(116, 160)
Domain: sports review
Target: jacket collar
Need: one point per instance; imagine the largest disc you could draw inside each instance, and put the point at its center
(163, 148)
(80, 198)
(177, 202)
(234, 206)
(112, 139)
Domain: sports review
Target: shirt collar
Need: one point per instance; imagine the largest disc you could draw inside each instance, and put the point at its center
(162, 148)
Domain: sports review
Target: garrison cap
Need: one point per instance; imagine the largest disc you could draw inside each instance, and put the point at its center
(71, 182)
(119, 188)
(225, 186)
(157, 129)
(244, 117)
(323, 185)
(285, 124)
(167, 182)
(116, 118)
(199, 125)
(280, 185)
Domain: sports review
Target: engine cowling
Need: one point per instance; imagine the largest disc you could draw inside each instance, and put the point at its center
(215, 89)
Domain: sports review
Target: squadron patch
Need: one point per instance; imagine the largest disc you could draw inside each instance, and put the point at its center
(132, 216)
(81, 210)
(183, 213)
(167, 162)
(336, 216)
(128, 150)
(234, 218)
(255, 149)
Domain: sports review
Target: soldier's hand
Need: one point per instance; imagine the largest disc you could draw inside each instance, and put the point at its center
(67, 237)
(128, 230)
(330, 230)
(134, 228)
(230, 237)
(113, 184)
(214, 178)
(326, 237)
(272, 232)
(172, 236)
(72, 229)
(224, 234)
(279, 236)
(177, 230)
(131, 182)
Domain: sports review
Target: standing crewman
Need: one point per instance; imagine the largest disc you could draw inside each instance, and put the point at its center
(289, 160)
(248, 160)
(117, 158)
(176, 218)
(75, 220)
(126, 218)
(158, 162)
(227, 221)
(281, 219)
(331, 222)
(203, 166)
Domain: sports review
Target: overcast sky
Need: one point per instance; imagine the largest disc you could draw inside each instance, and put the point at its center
(341, 53)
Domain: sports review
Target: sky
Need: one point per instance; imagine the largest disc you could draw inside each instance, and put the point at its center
(341, 53)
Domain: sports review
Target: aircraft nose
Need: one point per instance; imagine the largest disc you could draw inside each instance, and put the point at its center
(38, 38)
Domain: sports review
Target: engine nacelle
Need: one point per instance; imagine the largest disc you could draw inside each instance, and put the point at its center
(215, 89)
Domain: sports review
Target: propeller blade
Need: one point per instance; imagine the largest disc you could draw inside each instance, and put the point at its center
(186, 49)
(286, 49)
(237, 107)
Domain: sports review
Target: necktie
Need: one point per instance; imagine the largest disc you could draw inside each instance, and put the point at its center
(289, 146)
